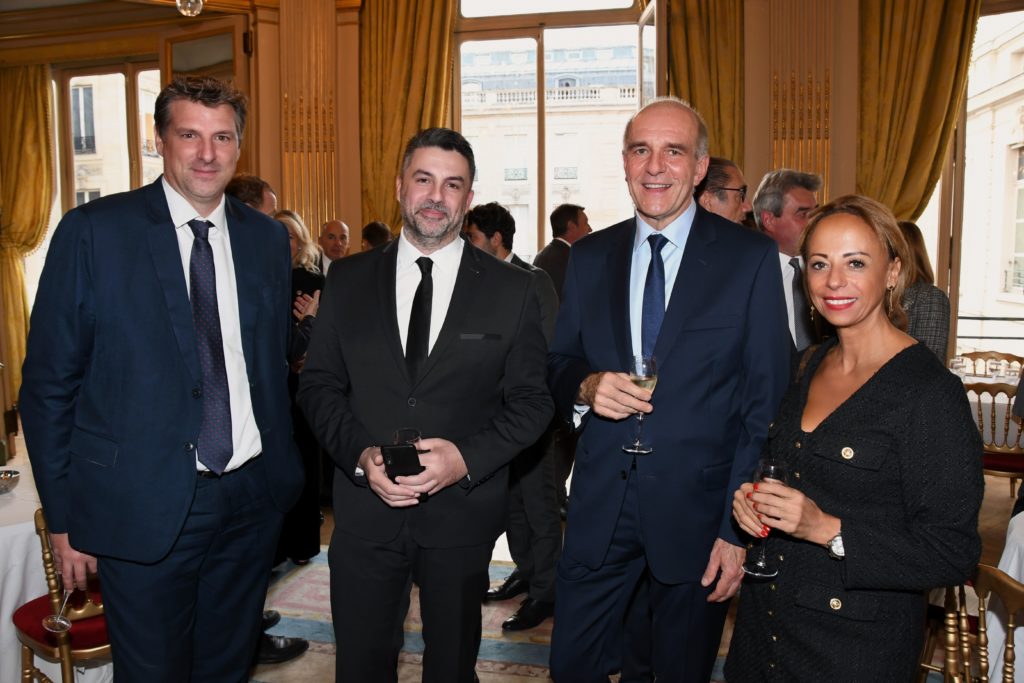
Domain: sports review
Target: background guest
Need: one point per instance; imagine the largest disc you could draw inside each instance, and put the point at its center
(375, 233)
(926, 305)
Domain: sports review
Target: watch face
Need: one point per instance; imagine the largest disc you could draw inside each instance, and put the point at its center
(835, 546)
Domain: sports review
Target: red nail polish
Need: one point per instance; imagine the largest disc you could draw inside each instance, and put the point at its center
(764, 531)
(755, 487)
(750, 495)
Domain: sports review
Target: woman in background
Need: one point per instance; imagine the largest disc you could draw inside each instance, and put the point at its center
(884, 477)
(926, 305)
(300, 535)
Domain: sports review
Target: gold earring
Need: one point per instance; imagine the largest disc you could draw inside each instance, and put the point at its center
(890, 290)
(812, 314)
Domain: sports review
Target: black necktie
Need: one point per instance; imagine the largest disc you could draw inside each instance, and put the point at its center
(418, 339)
(801, 309)
(654, 296)
(215, 445)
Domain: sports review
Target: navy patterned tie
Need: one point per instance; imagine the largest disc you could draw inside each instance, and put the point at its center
(654, 296)
(417, 339)
(215, 445)
(801, 309)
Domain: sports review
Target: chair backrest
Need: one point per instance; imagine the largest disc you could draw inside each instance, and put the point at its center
(980, 358)
(989, 580)
(88, 603)
(999, 429)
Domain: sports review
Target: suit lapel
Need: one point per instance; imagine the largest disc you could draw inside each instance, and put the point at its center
(163, 248)
(467, 283)
(387, 265)
(248, 283)
(620, 259)
(690, 284)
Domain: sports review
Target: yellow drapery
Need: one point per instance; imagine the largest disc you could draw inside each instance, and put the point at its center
(26, 193)
(914, 56)
(705, 67)
(405, 71)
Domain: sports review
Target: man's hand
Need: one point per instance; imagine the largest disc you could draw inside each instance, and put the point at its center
(444, 466)
(306, 305)
(395, 495)
(72, 565)
(613, 395)
(727, 559)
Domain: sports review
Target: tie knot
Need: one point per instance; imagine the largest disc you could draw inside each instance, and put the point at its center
(657, 242)
(795, 264)
(425, 264)
(200, 228)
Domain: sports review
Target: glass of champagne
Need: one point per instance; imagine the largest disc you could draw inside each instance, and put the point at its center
(643, 372)
(768, 469)
(58, 623)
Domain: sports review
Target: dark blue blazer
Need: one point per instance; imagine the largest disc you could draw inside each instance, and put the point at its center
(111, 399)
(723, 360)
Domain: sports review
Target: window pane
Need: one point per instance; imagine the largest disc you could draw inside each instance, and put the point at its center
(591, 93)
(490, 8)
(148, 83)
(499, 118)
(100, 163)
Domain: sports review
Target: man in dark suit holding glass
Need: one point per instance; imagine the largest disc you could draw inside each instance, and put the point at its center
(446, 341)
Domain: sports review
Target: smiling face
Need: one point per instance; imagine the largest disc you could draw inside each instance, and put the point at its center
(434, 192)
(200, 147)
(848, 272)
(661, 163)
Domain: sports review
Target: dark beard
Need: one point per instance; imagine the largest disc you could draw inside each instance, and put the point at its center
(431, 243)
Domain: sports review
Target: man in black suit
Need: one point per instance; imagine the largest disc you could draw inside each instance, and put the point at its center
(534, 526)
(446, 341)
(155, 401)
(569, 222)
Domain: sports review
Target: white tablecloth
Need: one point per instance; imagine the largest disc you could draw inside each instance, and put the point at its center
(22, 577)
(1012, 562)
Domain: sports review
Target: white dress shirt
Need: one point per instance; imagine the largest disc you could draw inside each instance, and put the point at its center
(245, 435)
(787, 288)
(407, 279)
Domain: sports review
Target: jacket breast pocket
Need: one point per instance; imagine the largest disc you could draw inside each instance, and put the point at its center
(838, 602)
(92, 448)
(856, 452)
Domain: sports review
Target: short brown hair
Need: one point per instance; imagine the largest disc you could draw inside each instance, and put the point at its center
(248, 189)
(206, 90)
(882, 222)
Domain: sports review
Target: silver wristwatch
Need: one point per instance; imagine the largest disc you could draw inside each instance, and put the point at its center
(835, 547)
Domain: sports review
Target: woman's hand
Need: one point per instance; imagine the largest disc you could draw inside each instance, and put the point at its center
(306, 305)
(772, 505)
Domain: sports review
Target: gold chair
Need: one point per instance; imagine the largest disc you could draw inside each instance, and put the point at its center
(984, 356)
(1000, 430)
(87, 640)
(944, 625)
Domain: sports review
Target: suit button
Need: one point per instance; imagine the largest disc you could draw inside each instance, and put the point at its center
(189, 446)
(797, 445)
(847, 453)
(835, 603)
(197, 393)
(411, 402)
(622, 474)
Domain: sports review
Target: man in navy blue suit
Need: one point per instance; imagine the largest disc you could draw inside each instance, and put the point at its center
(155, 401)
(702, 295)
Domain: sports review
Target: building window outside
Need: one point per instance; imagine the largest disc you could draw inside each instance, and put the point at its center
(82, 130)
(1017, 277)
(85, 196)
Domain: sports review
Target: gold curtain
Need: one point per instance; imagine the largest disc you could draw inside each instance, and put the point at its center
(26, 193)
(914, 56)
(405, 66)
(705, 67)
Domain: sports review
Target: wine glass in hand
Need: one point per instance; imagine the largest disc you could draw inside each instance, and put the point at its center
(643, 372)
(768, 469)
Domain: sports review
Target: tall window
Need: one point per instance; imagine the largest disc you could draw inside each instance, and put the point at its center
(84, 136)
(544, 107)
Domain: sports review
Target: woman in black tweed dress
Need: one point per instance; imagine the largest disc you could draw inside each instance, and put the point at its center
(885, 477)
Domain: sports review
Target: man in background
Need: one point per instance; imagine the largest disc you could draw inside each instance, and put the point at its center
(155, 402)
(333, 243)
(569, 223)
(534, 527)
(254, 191)
(375, 233)
(782, 206)
(723, 190)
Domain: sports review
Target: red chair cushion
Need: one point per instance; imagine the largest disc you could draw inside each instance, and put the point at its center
(1003, 462)
(85, 633)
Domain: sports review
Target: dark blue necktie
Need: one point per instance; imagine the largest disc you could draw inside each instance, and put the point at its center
(801, 309)
(654, 296)
(417, 339)
(215, 445)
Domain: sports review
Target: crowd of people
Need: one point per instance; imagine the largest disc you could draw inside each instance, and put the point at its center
(185, 380)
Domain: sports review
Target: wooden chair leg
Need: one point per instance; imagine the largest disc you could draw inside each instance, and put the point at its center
(27, 664)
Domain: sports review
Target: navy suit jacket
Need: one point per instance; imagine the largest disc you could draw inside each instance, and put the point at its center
(111, 399)
(723, 361)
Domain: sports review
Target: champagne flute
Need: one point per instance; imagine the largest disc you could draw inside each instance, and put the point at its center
(768, 469)
(643, 372)
(58, 623)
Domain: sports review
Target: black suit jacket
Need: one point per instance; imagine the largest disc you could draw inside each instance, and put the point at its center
(553, 260)
(547, 296)
(112, 392)
(482, 387)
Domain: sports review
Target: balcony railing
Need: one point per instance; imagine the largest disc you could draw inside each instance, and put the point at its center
(84, 144)
(554, 97)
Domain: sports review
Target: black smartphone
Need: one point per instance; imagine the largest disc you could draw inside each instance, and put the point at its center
(402, 460)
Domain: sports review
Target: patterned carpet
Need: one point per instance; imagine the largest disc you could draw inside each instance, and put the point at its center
(302, 596)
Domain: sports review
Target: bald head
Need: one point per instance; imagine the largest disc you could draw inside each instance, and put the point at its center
(334, 239)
